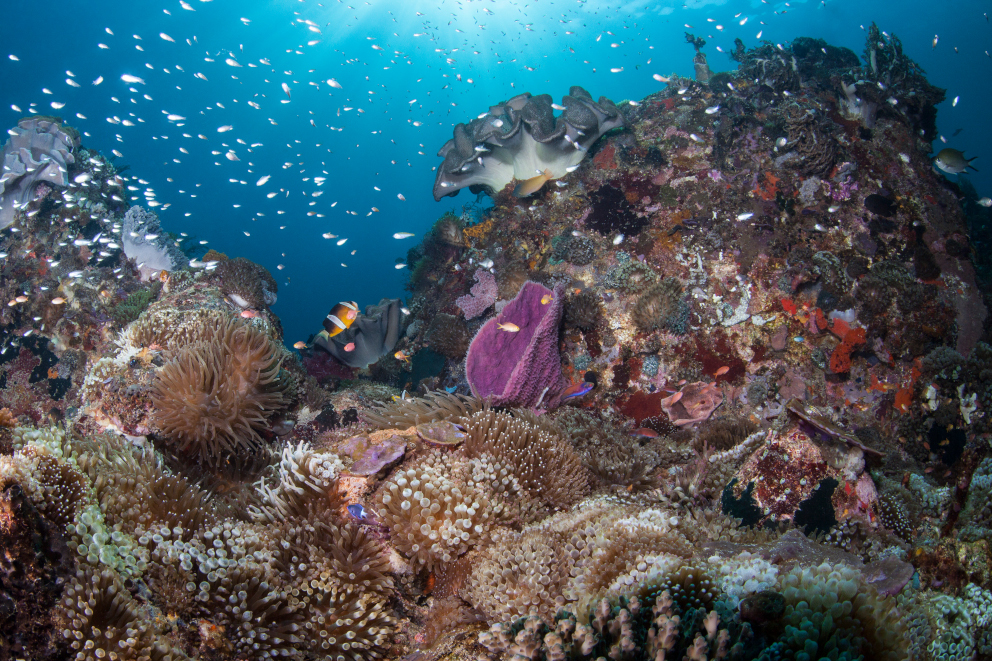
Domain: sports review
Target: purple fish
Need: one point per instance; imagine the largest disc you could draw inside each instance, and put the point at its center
(577, 390)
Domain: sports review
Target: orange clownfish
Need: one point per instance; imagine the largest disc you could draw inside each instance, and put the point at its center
(340, 317)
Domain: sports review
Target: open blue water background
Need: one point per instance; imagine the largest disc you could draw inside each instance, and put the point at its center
(410, 97)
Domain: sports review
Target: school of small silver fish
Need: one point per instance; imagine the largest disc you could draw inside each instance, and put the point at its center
(151, 109)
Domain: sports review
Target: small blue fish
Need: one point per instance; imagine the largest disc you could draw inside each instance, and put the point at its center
(577, 390)
(360, 514)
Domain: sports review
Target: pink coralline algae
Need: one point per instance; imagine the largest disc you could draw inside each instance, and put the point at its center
(694, 403)
(520, 367)
(483, 295)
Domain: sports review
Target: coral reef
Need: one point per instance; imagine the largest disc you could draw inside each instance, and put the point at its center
(727, 396)
(246, 283)
(143, 241)
(482, 296)
(372, 336)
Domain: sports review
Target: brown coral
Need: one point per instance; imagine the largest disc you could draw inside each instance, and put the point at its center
(214, 398)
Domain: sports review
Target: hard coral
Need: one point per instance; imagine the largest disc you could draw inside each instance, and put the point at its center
(214, 398)
(520, 137)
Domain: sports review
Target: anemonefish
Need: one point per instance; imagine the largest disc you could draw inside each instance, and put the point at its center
(340, 317)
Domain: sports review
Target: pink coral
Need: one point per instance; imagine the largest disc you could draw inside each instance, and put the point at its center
(694, 403)
(484, 293)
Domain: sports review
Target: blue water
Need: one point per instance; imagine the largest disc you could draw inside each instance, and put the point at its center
(498, 48)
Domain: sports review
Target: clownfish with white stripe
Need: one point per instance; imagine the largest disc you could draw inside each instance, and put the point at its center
(340, 317)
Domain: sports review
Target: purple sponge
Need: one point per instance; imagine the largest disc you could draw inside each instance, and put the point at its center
(520, 368)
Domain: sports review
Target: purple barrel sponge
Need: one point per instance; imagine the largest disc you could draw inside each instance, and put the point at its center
(520, 368)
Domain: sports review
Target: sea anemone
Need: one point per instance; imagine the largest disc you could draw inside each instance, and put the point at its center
(448, 335)
(248, 284)
(661, 306)
(213, 399)
(583, 310)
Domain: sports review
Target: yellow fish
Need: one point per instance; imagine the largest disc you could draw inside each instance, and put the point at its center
(532, 185)
(547, 298)
(401, 355)
(340, 317)
(509, 326)
(300, 345)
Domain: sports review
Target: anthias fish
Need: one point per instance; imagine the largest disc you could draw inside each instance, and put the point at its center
(532, 185)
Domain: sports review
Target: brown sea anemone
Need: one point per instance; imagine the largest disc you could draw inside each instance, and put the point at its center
(583, 310)
(449, 230)
(661, 306)
(214, 398)
(248, 284)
